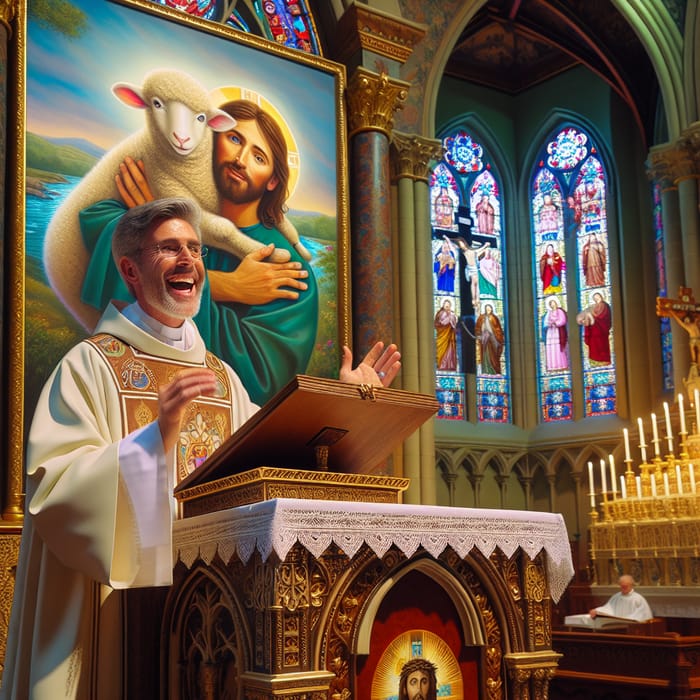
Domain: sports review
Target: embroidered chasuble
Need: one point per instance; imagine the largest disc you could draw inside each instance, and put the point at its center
(100, 505)
(137, 376)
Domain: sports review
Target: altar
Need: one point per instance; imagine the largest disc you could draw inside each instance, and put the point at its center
(309, 599)
(317, 583)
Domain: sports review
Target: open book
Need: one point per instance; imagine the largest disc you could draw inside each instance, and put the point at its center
(602, 619)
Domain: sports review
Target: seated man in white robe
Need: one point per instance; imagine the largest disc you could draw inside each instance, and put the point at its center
(111, 436)
(627, 604)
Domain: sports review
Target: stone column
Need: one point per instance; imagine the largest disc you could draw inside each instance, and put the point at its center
(411, 159)
(688, 181)
(663, 162)
(372, 101)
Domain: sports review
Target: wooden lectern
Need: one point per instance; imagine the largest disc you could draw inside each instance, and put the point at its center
(317, 438)
(301, 576)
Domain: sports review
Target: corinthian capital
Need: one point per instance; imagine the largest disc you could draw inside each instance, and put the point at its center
(667, 164)
(413, 155)
(372, 101)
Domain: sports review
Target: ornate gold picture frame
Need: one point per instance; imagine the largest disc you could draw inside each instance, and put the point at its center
(62, 87)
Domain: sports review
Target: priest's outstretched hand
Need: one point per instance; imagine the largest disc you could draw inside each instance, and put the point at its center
(379, 367)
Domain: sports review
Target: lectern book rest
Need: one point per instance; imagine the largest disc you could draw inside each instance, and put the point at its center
(316, 426)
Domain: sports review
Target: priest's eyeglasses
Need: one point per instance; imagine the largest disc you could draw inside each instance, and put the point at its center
(173, 250)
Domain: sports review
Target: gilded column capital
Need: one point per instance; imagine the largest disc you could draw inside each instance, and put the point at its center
(666, 165)
(8, 11)
(413, 155)
(366, 28)
(372, 101)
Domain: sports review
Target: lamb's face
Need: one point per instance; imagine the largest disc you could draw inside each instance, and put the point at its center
(179, 126)
(178, 110)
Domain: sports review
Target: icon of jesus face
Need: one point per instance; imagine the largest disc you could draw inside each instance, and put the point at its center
(417, 685)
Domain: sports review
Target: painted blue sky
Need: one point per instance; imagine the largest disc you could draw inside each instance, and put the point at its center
(69, 85)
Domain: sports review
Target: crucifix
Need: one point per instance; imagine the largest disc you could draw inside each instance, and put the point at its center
(686, 313)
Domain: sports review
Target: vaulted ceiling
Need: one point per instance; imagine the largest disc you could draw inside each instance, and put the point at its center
(512, 45)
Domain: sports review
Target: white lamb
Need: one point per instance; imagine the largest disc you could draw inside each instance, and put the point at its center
(176, 147)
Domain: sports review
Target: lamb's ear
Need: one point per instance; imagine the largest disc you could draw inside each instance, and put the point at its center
(218, 120)
(130, 95)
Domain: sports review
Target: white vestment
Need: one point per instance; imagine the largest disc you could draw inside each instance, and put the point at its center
(631, 605)
(99, 514)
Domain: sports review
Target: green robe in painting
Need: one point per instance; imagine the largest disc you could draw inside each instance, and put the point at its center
(266, 344)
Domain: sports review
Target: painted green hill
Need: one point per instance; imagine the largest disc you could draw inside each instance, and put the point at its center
(67, 160)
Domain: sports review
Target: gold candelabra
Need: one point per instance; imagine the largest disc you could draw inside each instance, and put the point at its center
(650, 525)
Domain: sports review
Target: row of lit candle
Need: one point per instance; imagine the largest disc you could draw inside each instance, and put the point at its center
(638, 481)
(642, 447)
(655, 429)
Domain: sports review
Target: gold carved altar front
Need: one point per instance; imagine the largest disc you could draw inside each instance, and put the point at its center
(287, 599)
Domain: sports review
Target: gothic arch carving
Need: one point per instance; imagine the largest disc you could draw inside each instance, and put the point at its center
(206, 635)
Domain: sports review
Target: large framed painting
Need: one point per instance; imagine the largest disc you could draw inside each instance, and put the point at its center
(131, 79)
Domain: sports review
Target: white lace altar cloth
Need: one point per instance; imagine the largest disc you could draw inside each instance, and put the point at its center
(276, 525)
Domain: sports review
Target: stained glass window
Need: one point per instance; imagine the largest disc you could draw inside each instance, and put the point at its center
(205, 9)
(572, 266)
(468, 288)
(288, 22)
(662, 290)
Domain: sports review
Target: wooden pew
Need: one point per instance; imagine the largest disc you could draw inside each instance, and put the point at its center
(634, 664)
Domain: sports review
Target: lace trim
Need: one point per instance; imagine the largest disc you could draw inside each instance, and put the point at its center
(276, 525)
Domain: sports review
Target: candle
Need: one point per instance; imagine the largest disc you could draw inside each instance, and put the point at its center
(623, 486)
(681, 409)
(666, 488)
(679, 481)
(640, 423)
(603, 480)
(613, 476)
(653, 486)
(591, 490)
(638, 481)
(642, 444)
(655, 432)
(626, 436)
(667, 415)
(692, 477)
(696, 395)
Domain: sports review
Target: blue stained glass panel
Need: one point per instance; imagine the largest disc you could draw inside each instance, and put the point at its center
(450, 395)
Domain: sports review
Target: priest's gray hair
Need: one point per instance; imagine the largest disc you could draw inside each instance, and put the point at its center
(142, 219)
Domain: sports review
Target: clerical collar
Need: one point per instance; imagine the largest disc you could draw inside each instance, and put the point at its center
(181, 337)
